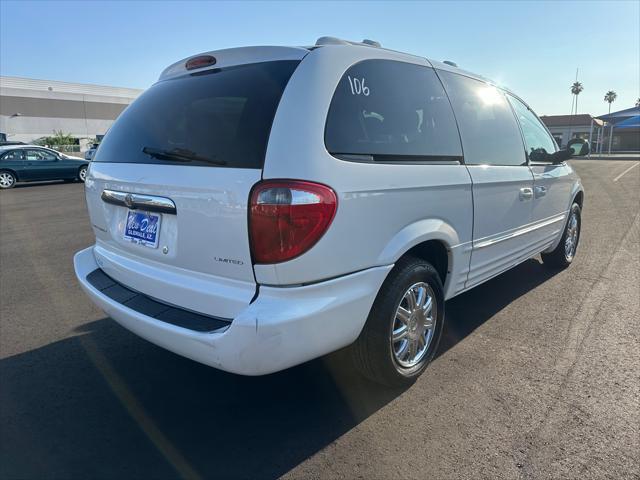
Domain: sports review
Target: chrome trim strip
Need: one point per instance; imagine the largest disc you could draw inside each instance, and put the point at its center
(516, 233)
(133, 201)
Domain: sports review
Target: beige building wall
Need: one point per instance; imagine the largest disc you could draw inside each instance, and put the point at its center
(31, 109)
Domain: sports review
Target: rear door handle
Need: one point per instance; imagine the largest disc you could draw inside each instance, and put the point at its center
(526, 193)
(540, 191)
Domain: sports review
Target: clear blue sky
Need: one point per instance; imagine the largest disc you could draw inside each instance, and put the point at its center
(532, 47)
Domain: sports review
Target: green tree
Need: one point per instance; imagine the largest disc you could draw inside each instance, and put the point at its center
(59, 138)
(638, 102)
(610, 97)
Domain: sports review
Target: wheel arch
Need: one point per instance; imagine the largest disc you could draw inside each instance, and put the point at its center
(431, 240)
(578, 198)
(577, 194)
(436, 252)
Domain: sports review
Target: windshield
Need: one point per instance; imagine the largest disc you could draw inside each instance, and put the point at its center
(222, 114)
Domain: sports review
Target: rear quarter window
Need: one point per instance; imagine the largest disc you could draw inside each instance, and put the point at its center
(12, 155)
(392, 111)
(221, 114)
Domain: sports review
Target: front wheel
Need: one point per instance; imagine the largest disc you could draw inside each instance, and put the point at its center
(565, 252)
(7, 180)
(82, 173)
(403, 329)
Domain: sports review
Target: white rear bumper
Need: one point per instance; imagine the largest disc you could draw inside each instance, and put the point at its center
(283, 327)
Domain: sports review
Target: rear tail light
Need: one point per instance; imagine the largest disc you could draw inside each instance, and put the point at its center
(288, 217)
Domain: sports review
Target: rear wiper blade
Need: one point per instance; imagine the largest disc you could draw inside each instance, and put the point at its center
(180, 155)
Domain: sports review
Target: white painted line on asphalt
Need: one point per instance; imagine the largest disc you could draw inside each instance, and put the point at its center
(626, 171)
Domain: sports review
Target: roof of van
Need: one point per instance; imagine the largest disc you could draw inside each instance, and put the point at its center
(242, 55)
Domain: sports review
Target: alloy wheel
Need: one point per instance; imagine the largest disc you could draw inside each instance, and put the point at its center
(414, 325)
(571, 240)
(6, 180)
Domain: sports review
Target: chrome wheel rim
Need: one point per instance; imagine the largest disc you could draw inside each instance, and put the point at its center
(571, 238)
(6, 180)
(414, 325)
(83, 173)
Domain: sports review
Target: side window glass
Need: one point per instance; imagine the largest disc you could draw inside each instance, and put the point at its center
(46, 155)
(39, 155)
(538, 142)
(489, 131)
(33, 155)
(14, 155)
(392, 111)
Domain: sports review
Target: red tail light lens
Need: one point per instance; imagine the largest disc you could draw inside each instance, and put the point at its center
(199, 62)
(288, 217)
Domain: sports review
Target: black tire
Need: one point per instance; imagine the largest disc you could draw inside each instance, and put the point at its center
(374, 352)
(7, 179)
(561, 257)
(82, 173)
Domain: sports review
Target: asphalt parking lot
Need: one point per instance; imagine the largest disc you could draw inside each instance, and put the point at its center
(538, 375)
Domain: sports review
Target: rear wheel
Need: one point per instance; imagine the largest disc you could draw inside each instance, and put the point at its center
(403, 330)
(7, 179)
(82, 173)
(565, 252)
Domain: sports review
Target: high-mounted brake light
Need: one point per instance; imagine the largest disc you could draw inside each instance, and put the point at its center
(288, 217)
(199, 62)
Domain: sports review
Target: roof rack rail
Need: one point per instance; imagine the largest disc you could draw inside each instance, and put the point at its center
(339, 41)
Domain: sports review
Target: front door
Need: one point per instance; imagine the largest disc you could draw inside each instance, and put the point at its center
(551, 183)
(43, 165)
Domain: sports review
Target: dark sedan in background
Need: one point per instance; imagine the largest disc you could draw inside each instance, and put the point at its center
(30, 163)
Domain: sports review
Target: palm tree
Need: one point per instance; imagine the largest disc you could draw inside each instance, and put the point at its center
(576, 88)
(610, 97)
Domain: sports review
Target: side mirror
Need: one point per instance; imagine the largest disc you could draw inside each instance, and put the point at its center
(540, 155)
(578, 147)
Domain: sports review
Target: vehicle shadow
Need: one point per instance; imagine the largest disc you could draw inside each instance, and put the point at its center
(106, 404)
(468, 311)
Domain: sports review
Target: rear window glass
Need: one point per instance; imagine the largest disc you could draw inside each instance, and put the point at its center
(392, 111)
(223, 115)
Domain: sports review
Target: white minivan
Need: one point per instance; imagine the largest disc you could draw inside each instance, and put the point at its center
(260, 207)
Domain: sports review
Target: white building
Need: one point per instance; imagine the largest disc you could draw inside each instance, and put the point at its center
(31, 109)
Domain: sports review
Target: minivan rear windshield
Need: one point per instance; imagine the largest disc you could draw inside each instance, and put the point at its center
(221, 117)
